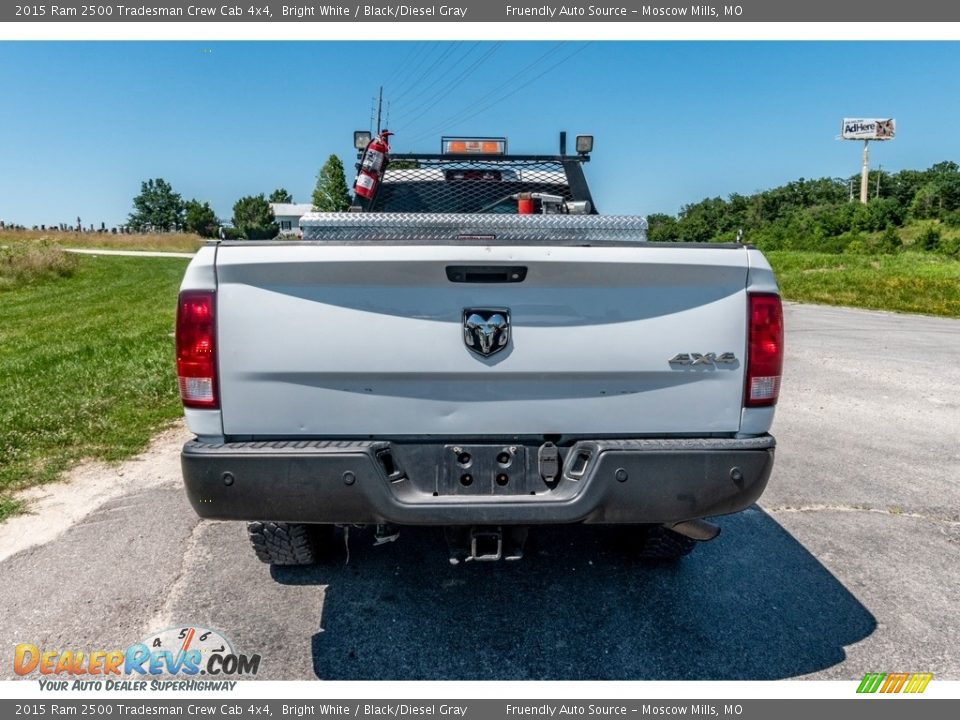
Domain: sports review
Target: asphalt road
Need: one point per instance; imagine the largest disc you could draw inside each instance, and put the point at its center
(850, 563)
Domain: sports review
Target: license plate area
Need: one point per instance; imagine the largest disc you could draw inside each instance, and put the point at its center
(473, 470)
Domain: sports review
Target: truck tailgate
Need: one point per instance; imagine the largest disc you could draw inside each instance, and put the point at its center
(359, 340)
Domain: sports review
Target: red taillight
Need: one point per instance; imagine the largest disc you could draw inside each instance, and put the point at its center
(765, 356)
(196, 349)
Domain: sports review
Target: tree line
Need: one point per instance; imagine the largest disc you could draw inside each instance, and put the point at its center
(159, 208)
(821, 215)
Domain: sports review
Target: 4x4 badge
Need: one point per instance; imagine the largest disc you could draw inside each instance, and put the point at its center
(727, 358)
(486, 330)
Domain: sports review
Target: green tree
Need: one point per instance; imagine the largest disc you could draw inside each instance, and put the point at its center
(702, 221)
(281, 195)
(927, 201)
(253, 216)
(662, 228)
(157, 207)
(331, 193)
(201, 219)
(903, 186)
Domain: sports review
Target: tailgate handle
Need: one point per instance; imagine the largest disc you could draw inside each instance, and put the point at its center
(486, 273)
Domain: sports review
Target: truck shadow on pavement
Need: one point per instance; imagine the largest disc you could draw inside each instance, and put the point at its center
(753, 605)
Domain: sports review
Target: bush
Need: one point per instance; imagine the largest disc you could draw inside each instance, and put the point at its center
(949, 246)
(929, 239)
(889, 242)
(883, 212)
(23, 263)
(857, 247)
(839, 243)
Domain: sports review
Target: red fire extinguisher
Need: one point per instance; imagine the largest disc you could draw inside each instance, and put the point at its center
(372, 166)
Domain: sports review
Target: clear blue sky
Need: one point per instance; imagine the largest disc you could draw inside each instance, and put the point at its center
(82, 124)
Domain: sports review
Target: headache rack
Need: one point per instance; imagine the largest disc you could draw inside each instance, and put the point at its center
(474, 184)
(471, 198)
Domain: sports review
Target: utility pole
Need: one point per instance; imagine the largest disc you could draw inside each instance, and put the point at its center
(379, 109)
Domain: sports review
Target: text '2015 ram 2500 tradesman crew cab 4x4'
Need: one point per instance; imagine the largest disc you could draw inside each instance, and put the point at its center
(474, 347)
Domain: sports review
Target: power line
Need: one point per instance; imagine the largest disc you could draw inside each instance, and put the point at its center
(457, 116)
(404, 64)
(429, 68)
(407, 85)
(470, 111)
(402, 72)
(529, 82)
(453, 64)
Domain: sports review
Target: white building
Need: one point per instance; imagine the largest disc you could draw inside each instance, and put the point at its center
(288, 216)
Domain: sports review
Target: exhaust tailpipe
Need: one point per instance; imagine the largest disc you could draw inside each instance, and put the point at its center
(699, 530)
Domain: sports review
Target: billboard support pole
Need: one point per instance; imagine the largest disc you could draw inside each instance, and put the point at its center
(865, 172)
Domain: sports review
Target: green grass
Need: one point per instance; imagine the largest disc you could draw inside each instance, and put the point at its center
(86, 367)
(913, 282)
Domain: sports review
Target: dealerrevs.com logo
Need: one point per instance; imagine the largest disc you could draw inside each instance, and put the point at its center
(887, 683)
(180, 652)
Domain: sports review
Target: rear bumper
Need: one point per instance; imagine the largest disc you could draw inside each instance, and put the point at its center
(602, 481)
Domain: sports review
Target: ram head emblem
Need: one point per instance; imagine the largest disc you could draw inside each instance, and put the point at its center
(486, 330)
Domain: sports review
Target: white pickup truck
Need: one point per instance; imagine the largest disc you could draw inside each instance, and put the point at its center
(485, 372)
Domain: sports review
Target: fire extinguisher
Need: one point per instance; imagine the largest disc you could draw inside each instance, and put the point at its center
(372, 166)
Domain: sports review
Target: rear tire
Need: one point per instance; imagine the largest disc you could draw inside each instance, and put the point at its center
(657, 543)
(283, 543)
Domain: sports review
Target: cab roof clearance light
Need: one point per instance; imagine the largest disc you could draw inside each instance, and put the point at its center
(473, 146)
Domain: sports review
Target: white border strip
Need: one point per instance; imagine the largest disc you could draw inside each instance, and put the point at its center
(406, 31)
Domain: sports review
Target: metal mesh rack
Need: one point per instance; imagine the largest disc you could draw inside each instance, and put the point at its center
(423, 183)
(466, 186)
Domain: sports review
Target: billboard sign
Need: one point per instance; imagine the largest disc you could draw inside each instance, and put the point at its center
(868, 129)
